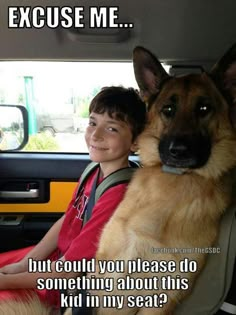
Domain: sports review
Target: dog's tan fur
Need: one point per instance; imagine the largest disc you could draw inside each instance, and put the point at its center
(27, 306)
(165, 210)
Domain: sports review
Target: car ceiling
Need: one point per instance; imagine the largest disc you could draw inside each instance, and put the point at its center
(177, 31)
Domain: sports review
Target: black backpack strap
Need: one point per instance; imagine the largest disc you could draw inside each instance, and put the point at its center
(91, 202)
(118, 177)
(84, 176)
(121, 176)
(88, 170)
(93, 165)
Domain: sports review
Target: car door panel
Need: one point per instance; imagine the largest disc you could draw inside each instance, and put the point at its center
(23, 219)
(24, 229)
(58, 195)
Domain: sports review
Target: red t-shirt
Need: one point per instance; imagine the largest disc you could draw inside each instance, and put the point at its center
(76, 243)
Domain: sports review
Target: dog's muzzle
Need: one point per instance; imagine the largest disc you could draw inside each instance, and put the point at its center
(185, 151)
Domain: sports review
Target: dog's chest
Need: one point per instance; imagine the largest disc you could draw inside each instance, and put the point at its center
(170, 203)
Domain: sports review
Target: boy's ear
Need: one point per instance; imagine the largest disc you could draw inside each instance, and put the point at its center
(148, 71)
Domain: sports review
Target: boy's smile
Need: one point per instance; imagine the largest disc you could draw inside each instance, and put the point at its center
(92, 147)
(108, 140)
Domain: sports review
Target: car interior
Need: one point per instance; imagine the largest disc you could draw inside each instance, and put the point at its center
(187, 36)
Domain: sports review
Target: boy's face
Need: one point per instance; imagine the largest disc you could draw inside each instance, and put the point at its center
(108, 139)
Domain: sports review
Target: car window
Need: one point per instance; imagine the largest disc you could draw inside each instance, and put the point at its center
(57, 96)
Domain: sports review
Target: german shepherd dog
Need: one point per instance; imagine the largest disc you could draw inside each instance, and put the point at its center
(176, 200)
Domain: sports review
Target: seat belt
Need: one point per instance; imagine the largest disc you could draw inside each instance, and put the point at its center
(91, 201)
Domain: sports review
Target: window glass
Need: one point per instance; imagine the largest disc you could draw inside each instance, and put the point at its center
(57, 96)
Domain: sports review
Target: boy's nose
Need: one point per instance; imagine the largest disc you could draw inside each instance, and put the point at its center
(97, 134)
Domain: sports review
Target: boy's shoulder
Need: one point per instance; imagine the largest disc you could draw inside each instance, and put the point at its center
(116, 178)
(120, 176)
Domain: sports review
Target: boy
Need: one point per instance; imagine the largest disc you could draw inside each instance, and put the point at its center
(117, 116)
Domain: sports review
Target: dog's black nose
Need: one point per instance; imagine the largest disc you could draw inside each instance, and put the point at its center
(188, 151)
(178, 149)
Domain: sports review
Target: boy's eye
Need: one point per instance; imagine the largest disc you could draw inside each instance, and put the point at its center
(112, 129)
(91, 123)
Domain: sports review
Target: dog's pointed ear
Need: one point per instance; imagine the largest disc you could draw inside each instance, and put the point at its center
(148, 71)
(224, 74)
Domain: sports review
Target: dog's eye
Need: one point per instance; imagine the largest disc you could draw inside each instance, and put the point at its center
(203, 110)
(168, 111)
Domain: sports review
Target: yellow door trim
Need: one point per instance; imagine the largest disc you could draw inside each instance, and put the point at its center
(60, 196)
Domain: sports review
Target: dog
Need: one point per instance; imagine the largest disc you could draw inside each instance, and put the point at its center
(30, 305)
(176, 200)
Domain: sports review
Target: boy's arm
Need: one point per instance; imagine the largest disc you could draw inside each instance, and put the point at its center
(41, 251)
(84, 246)
(28, 280)
(48, 243)
(86, 243)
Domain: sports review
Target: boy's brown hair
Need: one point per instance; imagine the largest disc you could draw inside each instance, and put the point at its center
(122, 104)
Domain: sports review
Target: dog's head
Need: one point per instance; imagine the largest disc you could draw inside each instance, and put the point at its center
(191, 119)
